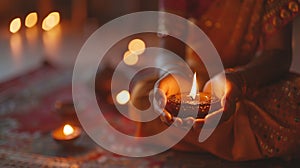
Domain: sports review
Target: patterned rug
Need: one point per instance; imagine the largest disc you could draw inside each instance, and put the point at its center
(28, 115)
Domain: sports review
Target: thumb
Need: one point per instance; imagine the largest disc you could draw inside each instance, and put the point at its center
(159, 100)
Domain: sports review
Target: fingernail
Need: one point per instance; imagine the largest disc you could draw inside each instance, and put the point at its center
(169, 117)
(177, 122)
(190, 121)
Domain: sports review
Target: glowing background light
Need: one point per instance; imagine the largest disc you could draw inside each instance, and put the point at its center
(137, 46)
(51, 21)
(15, 25)
(123, 97)
(31, 19)
(130, 58)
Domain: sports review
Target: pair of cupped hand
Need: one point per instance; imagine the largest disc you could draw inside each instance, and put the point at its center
(219, 86)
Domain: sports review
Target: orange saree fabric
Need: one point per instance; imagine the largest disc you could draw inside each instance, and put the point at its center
(266, 122)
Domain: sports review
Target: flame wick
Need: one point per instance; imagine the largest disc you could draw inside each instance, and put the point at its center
(194, 88)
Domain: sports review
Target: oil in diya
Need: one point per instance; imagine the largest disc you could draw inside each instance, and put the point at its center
(187, 103)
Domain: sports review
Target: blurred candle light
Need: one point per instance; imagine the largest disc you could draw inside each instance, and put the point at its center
(31, 20)
(137, 46)
(15, 25)
(130, 58)
(51, 21)
(123, 97)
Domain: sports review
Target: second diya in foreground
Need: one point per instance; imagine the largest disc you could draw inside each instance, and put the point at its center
(66, 135)
(188, 103)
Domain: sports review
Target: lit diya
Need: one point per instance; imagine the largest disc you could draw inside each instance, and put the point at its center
(66, 133)
(193, 101)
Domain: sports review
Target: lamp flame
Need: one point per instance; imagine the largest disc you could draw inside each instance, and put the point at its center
(137, 46)
(194, 88)
(68, 130)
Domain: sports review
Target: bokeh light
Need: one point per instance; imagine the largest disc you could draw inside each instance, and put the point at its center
(31, 19)
(130, 58)
(123, 97)
(51, 21)
(137, 46)
(15, 25)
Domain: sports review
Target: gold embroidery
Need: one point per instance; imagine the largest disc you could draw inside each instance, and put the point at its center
(276, 21)
(208, 23)
(293, 6)
(279, 13)
(284, 14)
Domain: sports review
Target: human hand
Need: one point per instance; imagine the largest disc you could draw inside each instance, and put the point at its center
(229, 91)
(166, 86)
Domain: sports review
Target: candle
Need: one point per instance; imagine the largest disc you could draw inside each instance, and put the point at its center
(193, 101)
(66, 133)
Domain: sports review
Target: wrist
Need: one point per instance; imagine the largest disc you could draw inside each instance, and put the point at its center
(237, 77)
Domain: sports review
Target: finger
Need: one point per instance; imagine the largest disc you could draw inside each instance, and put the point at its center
(163, 83)
(166, 117)
(177, 121)
(188, 122)
(159, 100)
(198, 123)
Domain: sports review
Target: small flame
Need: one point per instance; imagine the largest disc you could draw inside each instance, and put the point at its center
(68, 130)
(194, 88)
(15, 25)
(51, 21)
